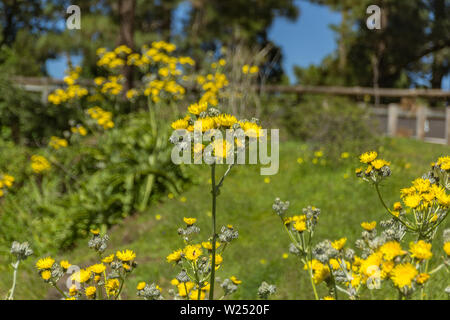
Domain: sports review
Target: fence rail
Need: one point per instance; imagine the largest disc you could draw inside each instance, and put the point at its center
(393, 112)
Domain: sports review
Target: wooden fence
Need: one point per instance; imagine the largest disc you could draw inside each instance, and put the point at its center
(393, 112)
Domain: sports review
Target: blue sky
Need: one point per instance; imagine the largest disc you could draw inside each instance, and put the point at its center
(305, 41)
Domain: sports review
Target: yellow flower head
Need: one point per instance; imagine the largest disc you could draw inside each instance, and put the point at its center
(45, 263)
(300, 225)
(81, 276)
(192, 252)
(141, 285)
(198, 108)
(339, 244)
(412, 201)
(422, 278)
(208, 245)
(219, 259)
(380, 163)
(368, 157)
(108, 259)
(391, 249)
(403, 274)
(90, 292)
(189, 221)
(185, 286)
(112, 286)
(65, 264)
(420, 250)
(39, 164)
(46, 275)
(98, 268)
(369, 226)
(447, 248)
(328, 298)
(126, 255)
(235, 280)
(174, 256)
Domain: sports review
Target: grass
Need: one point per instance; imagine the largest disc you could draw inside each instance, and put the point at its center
(245, 202)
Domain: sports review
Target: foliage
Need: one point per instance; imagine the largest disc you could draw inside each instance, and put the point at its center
(332, 124)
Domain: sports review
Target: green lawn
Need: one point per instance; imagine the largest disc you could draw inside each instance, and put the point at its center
(245, 202)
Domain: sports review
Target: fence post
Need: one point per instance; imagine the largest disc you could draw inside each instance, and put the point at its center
(392, 119)
(44, 94)
(447, 124)
(421, 118)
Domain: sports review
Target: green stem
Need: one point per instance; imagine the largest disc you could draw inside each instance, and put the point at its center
(213, 262)
(11, 292)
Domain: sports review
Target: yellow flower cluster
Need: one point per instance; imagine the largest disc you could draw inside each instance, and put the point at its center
(211, 85)
(103, 118)
(72, 92)
(104, 279)
(374, 165)
(247, 69)
(39, 164)
(79, 130)
(57, 143)
(113, 85)
(6, 182)
(422, 194)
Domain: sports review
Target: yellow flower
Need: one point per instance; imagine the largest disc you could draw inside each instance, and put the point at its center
(174, 256)
(112, 286)
(345, 155)
(189, 221)
(65, 264)
(46, 274)
(208, 245)
(81, 276)
(39, 164)
(368, 157)
(254, 69)
(73, 290)
(422, 278)
(95, 231)
(380, 163)
(397, 206)
(57, 143)
(98, 268)
(403, 274)
(141, 285)
(219, 259)
(412, 201)
(126, 255)
(194, 295)
(198, 108)
(420, 250)
(225, 120)
(45, 263)
(328, 298)
(235, 280)
(339, 244)
(369, 226)
(192, 252)
(391, 249)
(90, 291)
(108, 259)
(185, 286)
(285, 255)
(447, 248)
(300, 225)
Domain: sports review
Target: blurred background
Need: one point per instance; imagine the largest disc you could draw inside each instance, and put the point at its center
(313, 69)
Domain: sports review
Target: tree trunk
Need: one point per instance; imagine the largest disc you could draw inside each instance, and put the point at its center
(126, 36)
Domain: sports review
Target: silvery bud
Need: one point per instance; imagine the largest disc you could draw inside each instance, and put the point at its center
(265, 290)
(280, 207)
(21, 250)
(182, 276)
